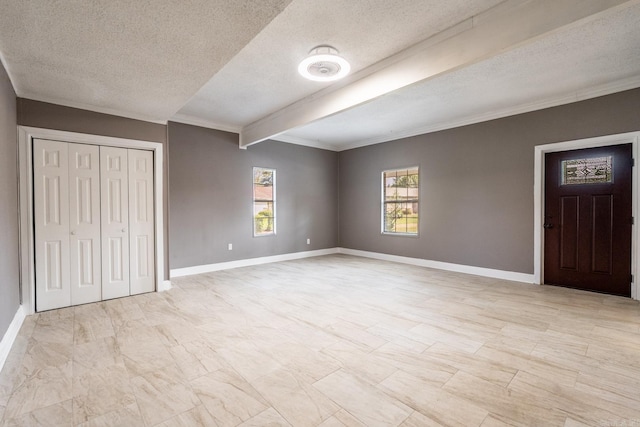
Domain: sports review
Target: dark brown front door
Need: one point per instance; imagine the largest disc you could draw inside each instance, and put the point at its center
(588, 219)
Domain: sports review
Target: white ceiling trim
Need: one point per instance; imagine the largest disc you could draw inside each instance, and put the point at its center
(581, 95)
(194, 121)
(510, 25)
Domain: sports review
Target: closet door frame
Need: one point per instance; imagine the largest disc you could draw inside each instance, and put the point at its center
(26, 135)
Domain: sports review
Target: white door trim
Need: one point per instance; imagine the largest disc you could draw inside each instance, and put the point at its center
(25, 135)
(538, 198)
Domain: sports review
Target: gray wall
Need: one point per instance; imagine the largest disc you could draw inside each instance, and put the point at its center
(52, 116)
(211, 190)
(9, 264)
(476, 185)
(476, 190)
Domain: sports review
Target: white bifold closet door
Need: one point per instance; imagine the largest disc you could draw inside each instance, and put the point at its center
(84, 221)
(141, 222)
(51, 216)
(94, 223)
(67, 222)
(128, 239)
(114, 186)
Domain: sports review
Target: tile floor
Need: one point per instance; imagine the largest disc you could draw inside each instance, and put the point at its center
(331, 341)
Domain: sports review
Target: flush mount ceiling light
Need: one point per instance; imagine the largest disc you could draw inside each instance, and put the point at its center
(324, 65)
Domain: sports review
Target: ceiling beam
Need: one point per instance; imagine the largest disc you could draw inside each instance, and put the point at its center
(502, 28)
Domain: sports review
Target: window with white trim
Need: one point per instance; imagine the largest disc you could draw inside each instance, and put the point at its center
(400, 201)
(264, 201)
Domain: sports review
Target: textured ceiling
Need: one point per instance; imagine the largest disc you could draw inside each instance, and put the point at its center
(142, 58)
(263, 77)
(231, 65)
(586, 60)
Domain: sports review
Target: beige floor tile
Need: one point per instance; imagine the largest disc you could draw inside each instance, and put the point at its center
(57, 415)
(96, 355)
(345, 341)
(190, 364)
(621, 389)
(573, 423)
(268, 418)
(492, 421)
(101, 391)
(295, 398)
(13, 372)
(585, 407)
(54, 330)
(472, 364)
(248, 360)
(163, 394)
(340, 419)
(42, 355)
(501, 403)
(46, 386)
(313, 338)
(356, 335)
(299, 358)
(125, 416)
(177, 333)
(143, 351)
(28, 326)
(90, 330)
(534, 365)
(416, 419)
(614, 354)
(91, 322)
(331, 422)
(370, 406)
(121, 312)
(419, 365)
(228, 397)
(55, 316)
(196, 417)
(368, 366)
(429, 334)
(431, 400)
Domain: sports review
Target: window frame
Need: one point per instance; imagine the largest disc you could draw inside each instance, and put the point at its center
(255, 200)
(383, 203)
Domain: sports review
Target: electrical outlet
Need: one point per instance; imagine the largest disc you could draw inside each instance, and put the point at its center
(308, 241)
(230, 246)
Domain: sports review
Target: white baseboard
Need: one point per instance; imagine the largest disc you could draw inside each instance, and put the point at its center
(200, 269)
(458, 268)
(11, 335)
(165, 285)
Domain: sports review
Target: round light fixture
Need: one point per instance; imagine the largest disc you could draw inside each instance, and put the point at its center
(324, 65)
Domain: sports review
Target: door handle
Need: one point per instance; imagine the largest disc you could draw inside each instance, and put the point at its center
(547, 225)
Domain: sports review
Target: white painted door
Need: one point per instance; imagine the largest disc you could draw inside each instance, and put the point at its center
(51, 216)
(141, 222)
(114, 197)
(84, 223)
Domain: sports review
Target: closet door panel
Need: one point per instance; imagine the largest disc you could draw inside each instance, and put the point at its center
(141, 221)
(84, 223)
(51, 216)
(115, 222)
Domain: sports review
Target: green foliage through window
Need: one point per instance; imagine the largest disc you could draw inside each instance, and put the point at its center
(400, 201)
(264, 201)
